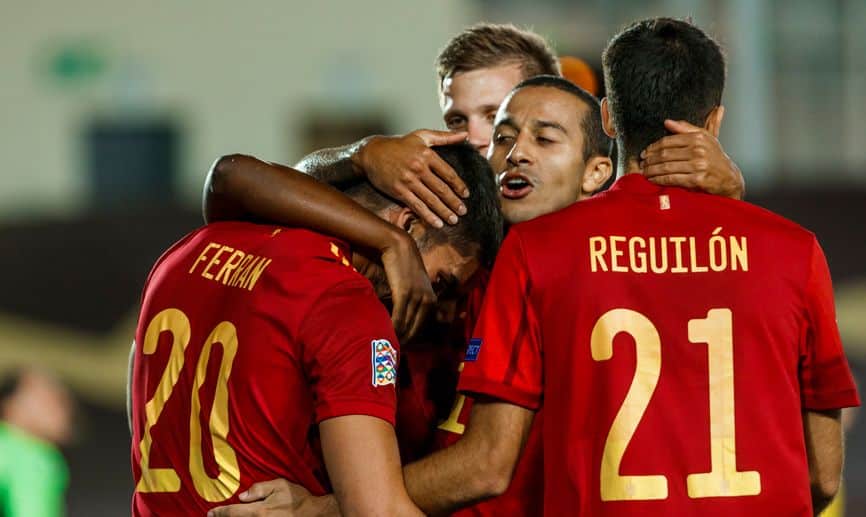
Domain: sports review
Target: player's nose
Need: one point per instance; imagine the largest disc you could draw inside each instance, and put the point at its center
(519, 154)
(479, 136)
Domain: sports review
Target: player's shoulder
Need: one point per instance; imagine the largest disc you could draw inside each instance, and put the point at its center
(759, 219)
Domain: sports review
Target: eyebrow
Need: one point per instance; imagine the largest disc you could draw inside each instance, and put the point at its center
(508, 121)
(541, 124)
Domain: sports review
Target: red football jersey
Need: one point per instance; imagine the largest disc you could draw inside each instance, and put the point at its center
(248, 337)
(674, 339)
(429, 369)
(525, 494)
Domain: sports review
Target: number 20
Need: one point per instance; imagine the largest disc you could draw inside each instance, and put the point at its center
(723, 480)
(166, 479)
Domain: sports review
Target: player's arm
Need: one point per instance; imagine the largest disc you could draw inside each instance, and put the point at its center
(243, 187)
(824, 451)
(357, 449)
(692, 157)
(364, 466)
(826, 383)
(478, 466)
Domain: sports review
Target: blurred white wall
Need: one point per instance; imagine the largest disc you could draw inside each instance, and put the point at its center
(236, 75)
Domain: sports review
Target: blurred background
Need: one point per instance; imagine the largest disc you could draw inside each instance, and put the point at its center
(112, 112)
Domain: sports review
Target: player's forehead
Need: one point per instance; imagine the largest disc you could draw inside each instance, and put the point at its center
(536, 107)
(481, 89)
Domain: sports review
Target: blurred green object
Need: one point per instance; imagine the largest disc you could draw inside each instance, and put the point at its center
(74, 63)
(33, 476)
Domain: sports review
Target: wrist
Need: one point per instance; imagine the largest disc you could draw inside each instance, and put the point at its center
(395, 239)
(360, 156)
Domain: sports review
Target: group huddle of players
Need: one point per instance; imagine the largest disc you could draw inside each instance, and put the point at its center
(659, 348)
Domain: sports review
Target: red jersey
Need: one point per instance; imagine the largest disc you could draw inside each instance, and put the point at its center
(429, 369)
(525, 494)
(248, 337)
(674, 339)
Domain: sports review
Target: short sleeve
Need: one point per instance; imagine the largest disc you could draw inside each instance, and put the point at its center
(504, 356)
(825, 378)
(350, 353)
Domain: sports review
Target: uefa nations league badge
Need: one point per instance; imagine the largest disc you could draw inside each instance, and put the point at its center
(384, 363)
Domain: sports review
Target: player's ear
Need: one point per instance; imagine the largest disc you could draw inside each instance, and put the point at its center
(713, 123)
(404, 218)
(598, 170)
(606, 121)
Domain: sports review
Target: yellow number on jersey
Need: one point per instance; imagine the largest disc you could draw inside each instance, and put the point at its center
(166, 479)
(723, 480)
(451, 424)
(615, 487)
(176, 322)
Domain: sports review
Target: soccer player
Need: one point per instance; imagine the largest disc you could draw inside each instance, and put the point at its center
(476, 71)
(684, 345)
(262, 352)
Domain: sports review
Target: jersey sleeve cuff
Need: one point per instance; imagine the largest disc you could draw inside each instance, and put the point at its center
(480, 386)
(344, 407)
(832, 400)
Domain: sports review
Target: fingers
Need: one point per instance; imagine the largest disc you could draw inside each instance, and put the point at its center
(455, 184)
(671, 141)
(676, 180)
(236, 510)
(668, 168)
(437, 194)
(260, 490)
(448, 206)
(671, 154)
(681, 126)
(432, 137)
(420, 311)
(420, 208)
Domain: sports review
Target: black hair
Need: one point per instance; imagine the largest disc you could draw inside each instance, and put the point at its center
(658, 69)
(595, 141)
(483, 224)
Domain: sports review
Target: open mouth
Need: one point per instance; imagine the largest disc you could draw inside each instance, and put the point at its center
(514, 185)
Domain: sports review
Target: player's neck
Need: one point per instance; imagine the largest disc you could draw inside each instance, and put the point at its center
(629, 166)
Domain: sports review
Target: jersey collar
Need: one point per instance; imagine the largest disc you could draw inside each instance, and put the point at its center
(636, 183)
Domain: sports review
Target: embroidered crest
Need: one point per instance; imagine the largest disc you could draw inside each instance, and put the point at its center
(384, 363)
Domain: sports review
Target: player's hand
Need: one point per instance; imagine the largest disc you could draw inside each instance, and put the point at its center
(412, 296)
(405, 168)
(693, 158)
(278, 498)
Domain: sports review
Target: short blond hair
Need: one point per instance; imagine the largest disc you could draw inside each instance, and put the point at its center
(486, 45)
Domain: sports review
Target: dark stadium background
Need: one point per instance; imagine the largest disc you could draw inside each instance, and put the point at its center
(111, 114)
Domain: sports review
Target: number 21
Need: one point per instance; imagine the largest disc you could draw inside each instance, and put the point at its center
(723, 480)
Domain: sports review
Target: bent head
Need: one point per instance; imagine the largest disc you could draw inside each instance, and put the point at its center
(549, 149)
(659, 69)
(451, 254)
(478, 68)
